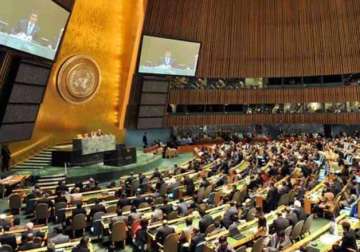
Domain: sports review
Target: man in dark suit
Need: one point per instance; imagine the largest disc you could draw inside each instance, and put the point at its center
(78, 210)
(205, 221)
(8, 239)
(145, 140)
(280, 224)
(162, 232)
(272, 198)
(197, 239)
(167, 60)
(348, 242)
(28, 27)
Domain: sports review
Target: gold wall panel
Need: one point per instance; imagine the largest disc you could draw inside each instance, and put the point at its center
(109, 32)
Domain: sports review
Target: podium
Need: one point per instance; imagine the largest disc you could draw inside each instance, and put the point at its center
(120, 156)
(96, 150)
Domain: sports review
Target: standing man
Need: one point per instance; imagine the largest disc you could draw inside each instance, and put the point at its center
(145, 140)
(28, 28)
(5, 158)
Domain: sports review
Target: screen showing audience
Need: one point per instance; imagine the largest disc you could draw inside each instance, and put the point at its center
(168, 56)
(32, 26)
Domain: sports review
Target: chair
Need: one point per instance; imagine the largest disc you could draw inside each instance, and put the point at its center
(6, 248)
(118, 232)
(251, 214)
(236, 196)
(172, 215)
(126, 208)
(15, 203)
(144, 205)
(171, 243)
(210, 229)
(111, 209)
(258, 245)
(96, 224)
(60, 212)
(296, 232)
(135, 185)
(284, 200)
(292, 195)
(42, 212)
(307, 225)
(208, 190)
(243, 195)
(201, 194)
(288, 231)
(78, 223)
(163, 189)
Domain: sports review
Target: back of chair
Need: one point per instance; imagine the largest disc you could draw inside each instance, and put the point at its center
(284, 200)
(210, 229)
(163, 189)
(296, 232)
(126, 208)
(258, 245)
(96, 223)
(42, 211)
(288, 231)
(307, 224)
(144, 205)
(251, 214)
(118, 231)
(201, 194)
(236, 196)
(6, 248)
(243, 194)
(78, 222)
(172, 215)
(208, 190)
(111, 209)
(15, 201)
(60, 211)
(171, 243)
(135, 185)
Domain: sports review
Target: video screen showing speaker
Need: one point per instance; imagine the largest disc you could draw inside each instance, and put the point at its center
(32, 26)
(168, 56)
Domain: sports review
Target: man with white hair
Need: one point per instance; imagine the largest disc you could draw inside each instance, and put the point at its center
(299, 210)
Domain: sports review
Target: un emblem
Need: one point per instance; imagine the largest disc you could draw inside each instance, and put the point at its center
(78, 79)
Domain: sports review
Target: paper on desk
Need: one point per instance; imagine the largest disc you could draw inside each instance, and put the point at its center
(329, 238)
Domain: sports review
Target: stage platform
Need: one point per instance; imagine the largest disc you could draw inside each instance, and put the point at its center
(39, 166)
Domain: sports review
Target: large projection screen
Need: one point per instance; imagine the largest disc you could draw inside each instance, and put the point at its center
(168, 56)
(32, 26)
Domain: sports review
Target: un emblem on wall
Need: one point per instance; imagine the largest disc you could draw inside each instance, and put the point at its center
(79, 79)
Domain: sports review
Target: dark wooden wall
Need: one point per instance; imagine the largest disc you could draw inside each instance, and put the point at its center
(241, 119)
(265, 96)
(264, 38)
(67, 4)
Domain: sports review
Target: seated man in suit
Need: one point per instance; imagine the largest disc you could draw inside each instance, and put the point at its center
(58, 237)
(233, 210)
(8, 239)
(162, 232)
(78, 210)
(348, 242)
(205, 221)
(280, 224)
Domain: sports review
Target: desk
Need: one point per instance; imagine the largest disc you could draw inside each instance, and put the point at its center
(11, 181)
(32, 47)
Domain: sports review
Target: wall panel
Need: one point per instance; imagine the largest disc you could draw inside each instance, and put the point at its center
(257, 38)
(265, 96)
(241, 119)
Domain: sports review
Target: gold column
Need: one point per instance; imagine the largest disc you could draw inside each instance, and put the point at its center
(109, 31)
